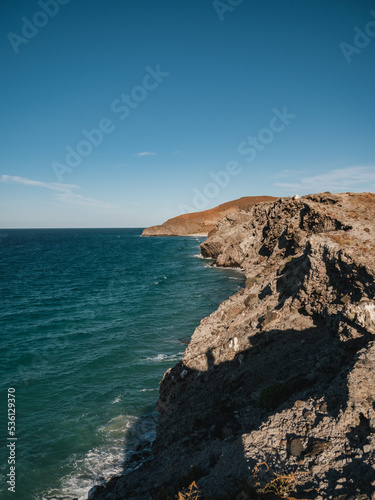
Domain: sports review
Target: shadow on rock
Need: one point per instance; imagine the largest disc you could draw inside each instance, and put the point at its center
(204, 416)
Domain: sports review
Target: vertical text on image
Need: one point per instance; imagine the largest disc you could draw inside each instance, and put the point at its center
(12, 440)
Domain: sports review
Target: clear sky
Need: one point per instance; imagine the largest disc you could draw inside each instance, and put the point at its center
(124, 113)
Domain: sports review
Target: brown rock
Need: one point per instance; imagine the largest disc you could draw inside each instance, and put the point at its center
(317, 447)
(323, 407)
(212, 417)
(295, 447)
(251, 300)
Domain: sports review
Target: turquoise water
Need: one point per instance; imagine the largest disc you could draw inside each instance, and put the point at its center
(89, 322)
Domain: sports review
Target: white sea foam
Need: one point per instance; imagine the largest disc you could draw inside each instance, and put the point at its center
(157, 282)
(99, 464)
(239, 269)
(198, 256)
(161, 358)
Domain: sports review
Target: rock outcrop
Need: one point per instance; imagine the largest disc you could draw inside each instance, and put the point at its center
(275, 394)
(202, 222)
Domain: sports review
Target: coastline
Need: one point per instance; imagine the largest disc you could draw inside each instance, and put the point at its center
(124, 323)
(301, 327)
(202, 223)
(195, 235)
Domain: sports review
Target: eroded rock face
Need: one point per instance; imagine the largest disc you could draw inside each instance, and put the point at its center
(281, 378)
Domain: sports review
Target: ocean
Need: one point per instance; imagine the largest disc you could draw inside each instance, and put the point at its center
(90, 319)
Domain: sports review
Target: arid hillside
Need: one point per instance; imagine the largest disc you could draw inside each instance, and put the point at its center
(202, 222)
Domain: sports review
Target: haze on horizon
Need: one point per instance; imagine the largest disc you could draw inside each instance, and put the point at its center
(125, 114)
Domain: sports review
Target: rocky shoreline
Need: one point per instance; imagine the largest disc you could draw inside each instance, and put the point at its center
(275, 394)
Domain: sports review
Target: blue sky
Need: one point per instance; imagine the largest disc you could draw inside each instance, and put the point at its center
(126, 113)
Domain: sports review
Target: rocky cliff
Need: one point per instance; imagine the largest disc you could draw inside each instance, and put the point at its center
(275, 394)
(202, 222)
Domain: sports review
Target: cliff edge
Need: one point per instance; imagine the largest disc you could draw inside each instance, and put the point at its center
(274, 396)
(202, 222)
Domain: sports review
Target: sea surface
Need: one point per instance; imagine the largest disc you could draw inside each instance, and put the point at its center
(90, 319)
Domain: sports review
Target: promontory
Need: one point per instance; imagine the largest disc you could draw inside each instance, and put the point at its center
(201, 223)
(275, 394)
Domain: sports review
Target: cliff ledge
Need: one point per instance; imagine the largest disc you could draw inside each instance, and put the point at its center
(275, 394)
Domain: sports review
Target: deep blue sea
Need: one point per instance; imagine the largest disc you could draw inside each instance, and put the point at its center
(90, 319)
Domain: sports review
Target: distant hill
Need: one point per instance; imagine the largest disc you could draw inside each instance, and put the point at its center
(202, 222)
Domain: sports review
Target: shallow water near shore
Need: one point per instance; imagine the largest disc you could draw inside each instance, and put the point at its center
(90, 320)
